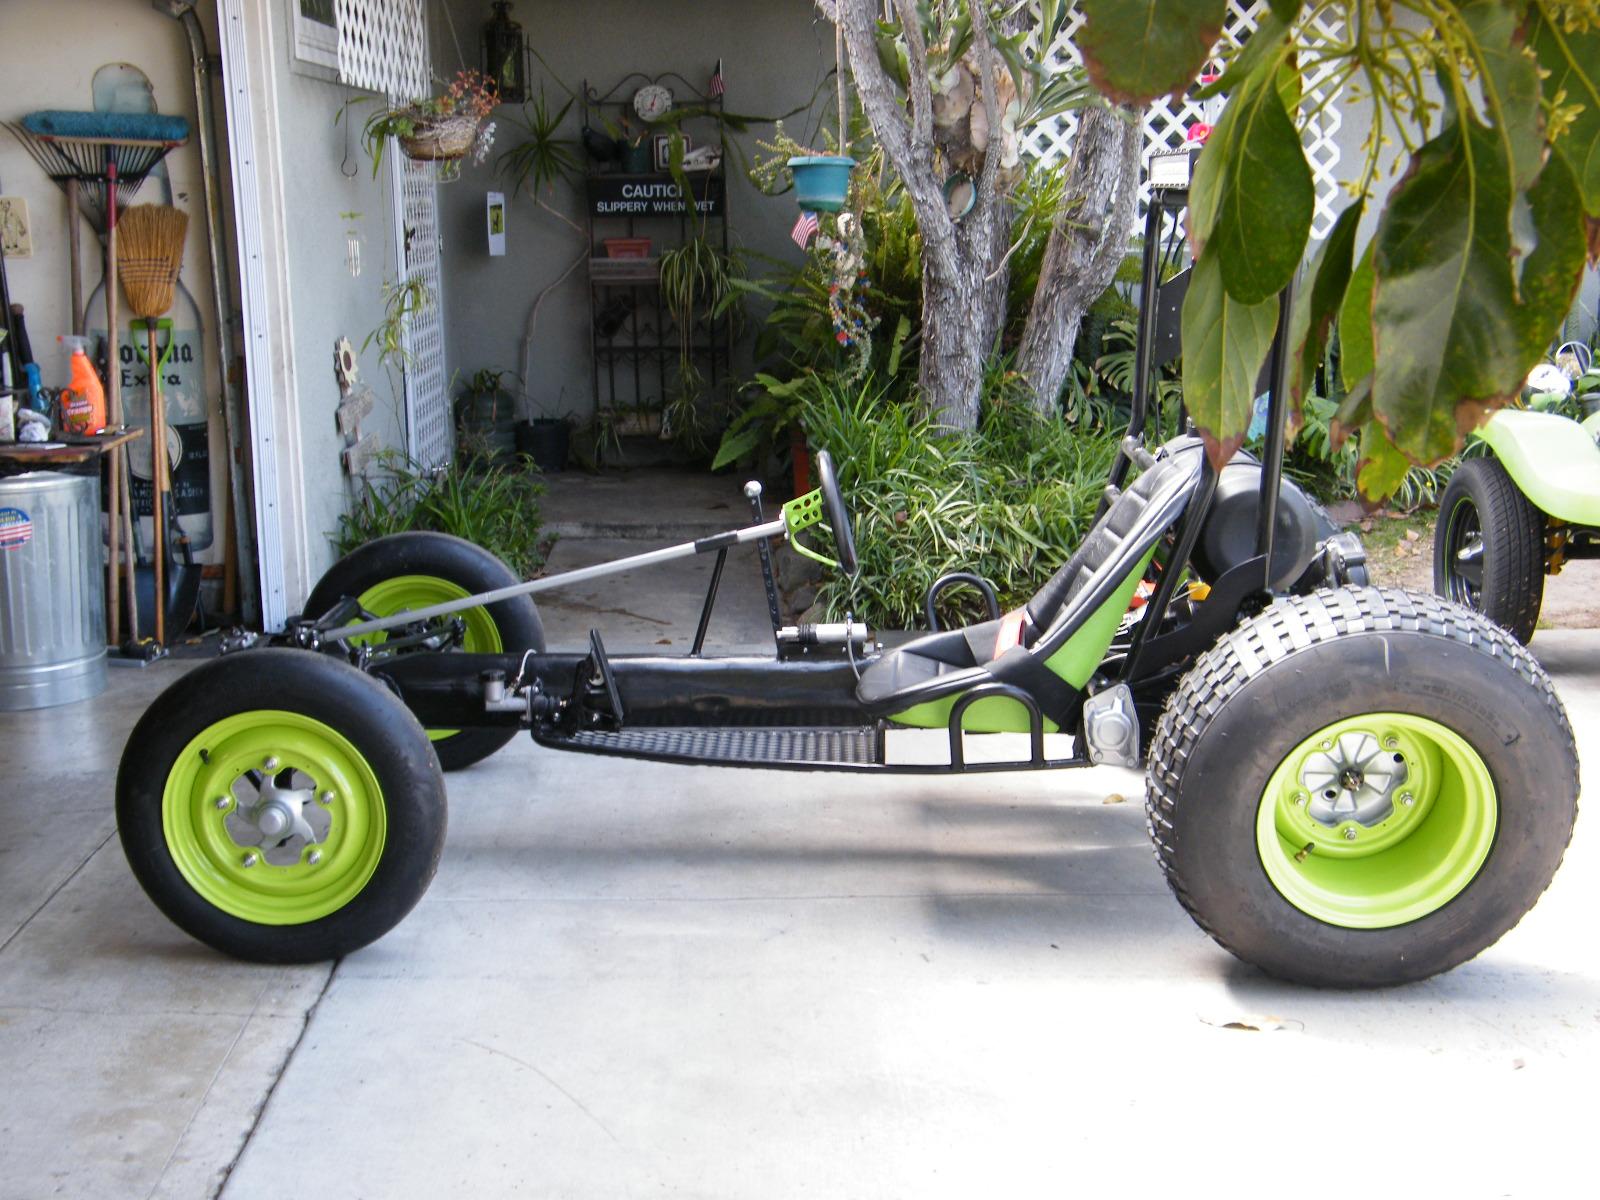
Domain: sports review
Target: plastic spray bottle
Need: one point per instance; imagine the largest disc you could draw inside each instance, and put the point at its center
(36, 400)
(83, 402)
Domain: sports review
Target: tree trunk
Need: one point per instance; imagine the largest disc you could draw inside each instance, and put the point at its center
(950, 373)
(963, 271)
(1087, 243)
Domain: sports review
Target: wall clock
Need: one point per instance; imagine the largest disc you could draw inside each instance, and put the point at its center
(651, 102)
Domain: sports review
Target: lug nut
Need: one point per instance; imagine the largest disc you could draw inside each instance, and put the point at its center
(250, 860)
(1350, 834)
(325, 798)
(1390, 742)
(1300, 798)
(222, 802)
(314, 857)
(1407, 799)
(271, 763)
(1327, 745)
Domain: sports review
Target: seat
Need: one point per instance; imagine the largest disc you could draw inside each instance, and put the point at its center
(949, 662)
(927, 658)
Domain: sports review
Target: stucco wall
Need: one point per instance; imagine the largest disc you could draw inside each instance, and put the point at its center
(321, 182)
(775, 54)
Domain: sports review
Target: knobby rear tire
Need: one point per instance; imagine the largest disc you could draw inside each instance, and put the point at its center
(1301, 666)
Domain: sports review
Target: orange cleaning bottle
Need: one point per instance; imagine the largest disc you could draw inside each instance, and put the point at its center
(83, 400)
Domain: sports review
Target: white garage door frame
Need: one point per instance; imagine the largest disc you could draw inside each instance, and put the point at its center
(250, 37)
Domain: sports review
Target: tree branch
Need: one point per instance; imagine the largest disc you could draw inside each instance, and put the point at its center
(919, 91)
(911, 157)
(1087, 243)
(992, 152)
(872, 81)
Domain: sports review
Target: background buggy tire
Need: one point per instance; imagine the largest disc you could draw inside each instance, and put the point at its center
(1251, 703)
(1482, 506)
(376, 793)
(411, 570)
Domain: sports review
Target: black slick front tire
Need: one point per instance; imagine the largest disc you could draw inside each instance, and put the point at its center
(281, 806)
(471, 569)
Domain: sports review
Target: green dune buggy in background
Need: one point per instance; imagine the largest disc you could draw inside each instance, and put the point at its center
(1520, 512)
(1346, 786)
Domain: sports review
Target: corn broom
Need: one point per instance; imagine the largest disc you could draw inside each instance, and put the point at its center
(150, 253)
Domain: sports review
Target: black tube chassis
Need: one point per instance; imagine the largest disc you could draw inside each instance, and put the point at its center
(799, 707)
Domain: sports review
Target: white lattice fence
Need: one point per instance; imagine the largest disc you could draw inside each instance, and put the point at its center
(427, 400)
(1167, 121)
(383, 46)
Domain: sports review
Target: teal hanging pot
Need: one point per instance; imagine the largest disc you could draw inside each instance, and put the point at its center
(821, 181)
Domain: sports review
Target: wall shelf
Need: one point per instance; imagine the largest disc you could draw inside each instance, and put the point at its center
(634, 345)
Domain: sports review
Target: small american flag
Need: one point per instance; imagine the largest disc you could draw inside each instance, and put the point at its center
(16, 529)
(716, 86)
(804, 229)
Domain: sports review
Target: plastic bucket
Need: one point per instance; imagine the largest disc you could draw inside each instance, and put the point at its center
(546, 441)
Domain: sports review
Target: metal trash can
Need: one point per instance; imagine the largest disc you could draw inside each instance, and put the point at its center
(52, 591)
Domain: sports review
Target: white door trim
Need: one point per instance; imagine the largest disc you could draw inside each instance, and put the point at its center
(251, 41)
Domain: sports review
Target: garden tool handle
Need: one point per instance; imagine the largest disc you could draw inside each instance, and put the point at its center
(153, 326)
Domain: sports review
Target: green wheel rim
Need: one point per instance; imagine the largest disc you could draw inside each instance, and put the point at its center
(222, 777)
(1387, 868)
(405, 592)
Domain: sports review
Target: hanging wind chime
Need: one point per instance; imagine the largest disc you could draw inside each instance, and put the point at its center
(822, 184)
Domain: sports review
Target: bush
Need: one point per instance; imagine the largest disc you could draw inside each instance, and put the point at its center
(496, 507)
(1010, 502)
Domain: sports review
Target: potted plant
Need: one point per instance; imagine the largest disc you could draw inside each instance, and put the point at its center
(771, 417)
(821, 181)
(486, 416)
(634, 152)
(697, 282)
(636, 421)
(441, 128)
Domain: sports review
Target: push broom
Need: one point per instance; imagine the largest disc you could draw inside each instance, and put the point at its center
(150, 252)
(100, 160)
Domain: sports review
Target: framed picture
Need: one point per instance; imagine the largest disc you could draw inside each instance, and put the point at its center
(315, 24)
(496, 212)
(661, 150)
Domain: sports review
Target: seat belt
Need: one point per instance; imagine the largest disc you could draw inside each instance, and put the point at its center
(1010, 634)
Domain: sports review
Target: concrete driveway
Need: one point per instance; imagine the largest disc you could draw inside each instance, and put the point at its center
(642, 980)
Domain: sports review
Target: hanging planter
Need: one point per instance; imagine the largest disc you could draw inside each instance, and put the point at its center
(439, 139)
(443, 128)
(821, 181)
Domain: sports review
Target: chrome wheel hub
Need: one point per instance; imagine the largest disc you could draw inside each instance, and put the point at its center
(1469, 560)
(1352, 778)
(277, 815)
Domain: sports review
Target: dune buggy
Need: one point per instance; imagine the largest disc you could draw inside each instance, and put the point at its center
(1519, 512)
(1346, 786)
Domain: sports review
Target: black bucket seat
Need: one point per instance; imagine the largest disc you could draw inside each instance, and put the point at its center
(1018, 649)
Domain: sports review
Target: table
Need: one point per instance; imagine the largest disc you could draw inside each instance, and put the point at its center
(79, 455)
(16, 457)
